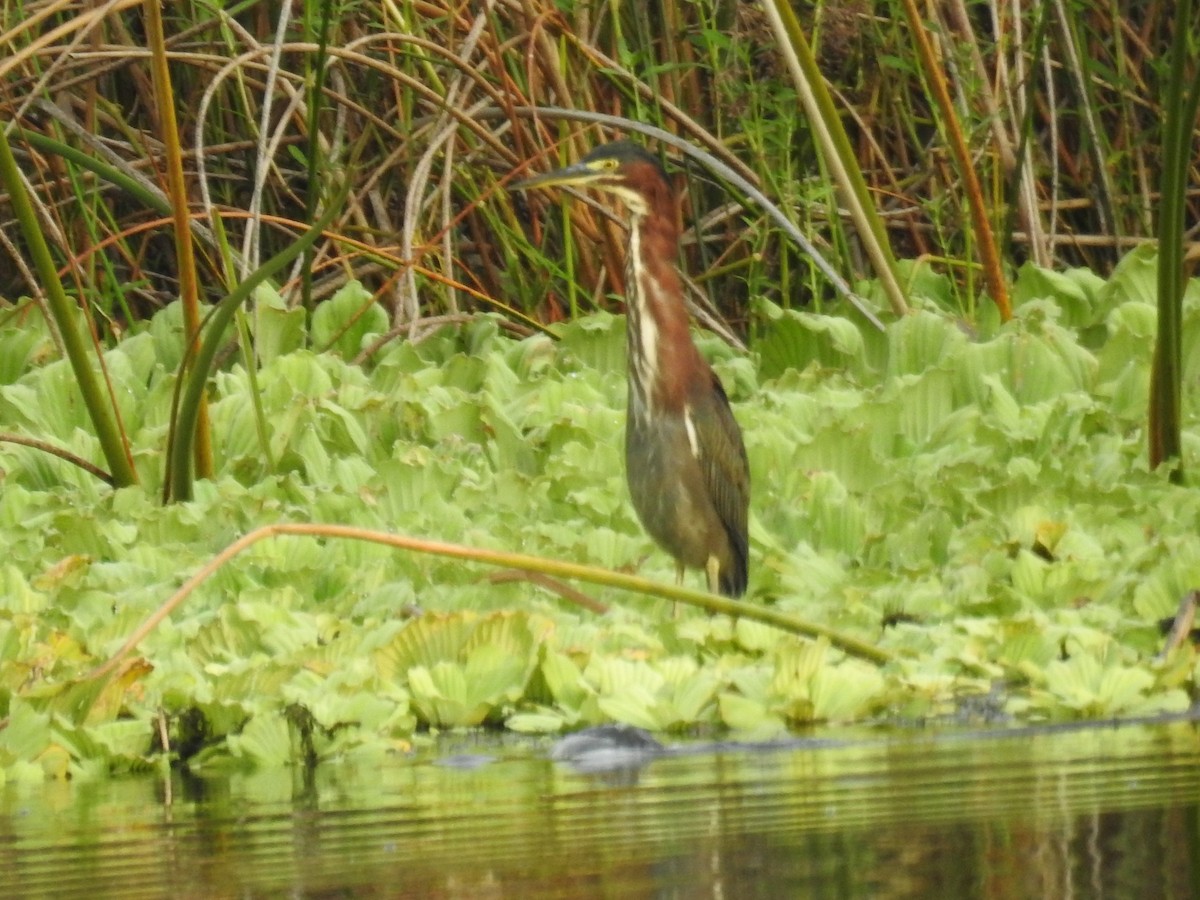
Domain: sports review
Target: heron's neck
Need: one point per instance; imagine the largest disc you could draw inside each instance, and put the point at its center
(659, 344)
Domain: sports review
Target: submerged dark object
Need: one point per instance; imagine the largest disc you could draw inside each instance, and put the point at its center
(607, 748)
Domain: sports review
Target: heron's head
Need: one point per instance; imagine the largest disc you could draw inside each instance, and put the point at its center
(621, 168)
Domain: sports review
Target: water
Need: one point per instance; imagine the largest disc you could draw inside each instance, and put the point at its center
(1057, 813)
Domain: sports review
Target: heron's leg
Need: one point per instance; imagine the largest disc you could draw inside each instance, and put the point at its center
(678, 581)
(713, 569)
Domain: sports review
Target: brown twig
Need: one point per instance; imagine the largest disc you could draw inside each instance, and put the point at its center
(553, 585)
(46, 447)
(1185, 617)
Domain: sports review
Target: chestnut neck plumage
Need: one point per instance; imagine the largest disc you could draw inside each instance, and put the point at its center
(659, 341)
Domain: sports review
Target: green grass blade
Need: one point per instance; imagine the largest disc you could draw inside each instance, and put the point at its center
(116, 452)
(1164, 426)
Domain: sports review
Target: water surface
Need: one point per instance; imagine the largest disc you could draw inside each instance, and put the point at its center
(1056, 813)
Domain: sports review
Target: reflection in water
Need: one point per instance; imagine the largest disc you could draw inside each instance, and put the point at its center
(1106, 812)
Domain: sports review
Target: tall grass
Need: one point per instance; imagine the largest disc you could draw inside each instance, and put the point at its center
(1059, 107)
(1053, 108)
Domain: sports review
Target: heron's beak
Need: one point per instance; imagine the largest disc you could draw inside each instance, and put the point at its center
(573, 175)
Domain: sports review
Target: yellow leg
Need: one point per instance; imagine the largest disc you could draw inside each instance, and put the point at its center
(678, 580)
(713, 568)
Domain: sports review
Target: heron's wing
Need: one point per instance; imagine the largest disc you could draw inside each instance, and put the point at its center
(726, 473)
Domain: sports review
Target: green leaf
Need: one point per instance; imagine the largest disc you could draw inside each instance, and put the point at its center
(26, 736)
(1094, 687)
(565, 680)
(265, 741)
(345, 321)
(795, 340)
(536, 723)
(277, 329)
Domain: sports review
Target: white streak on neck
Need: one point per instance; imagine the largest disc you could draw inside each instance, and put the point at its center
(693, 438)
(643, 318)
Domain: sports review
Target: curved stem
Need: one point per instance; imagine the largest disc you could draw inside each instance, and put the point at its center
(551, 567)
(718, 168)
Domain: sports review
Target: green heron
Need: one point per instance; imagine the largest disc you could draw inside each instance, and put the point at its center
(684, 457)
